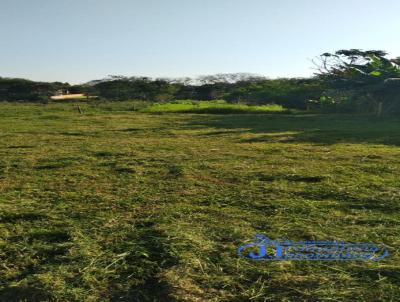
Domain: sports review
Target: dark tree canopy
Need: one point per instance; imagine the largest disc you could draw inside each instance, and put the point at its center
(361, 79)
(29, 91)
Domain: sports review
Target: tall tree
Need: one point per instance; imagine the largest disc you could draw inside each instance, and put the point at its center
(368, 76)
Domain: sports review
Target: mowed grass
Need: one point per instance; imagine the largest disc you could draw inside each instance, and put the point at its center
(116, 205)
(212, 107)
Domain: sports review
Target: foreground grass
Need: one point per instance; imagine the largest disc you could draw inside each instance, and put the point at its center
(220, 107)
(115, 205)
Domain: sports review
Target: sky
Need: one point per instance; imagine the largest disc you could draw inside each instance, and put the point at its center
(80, 40)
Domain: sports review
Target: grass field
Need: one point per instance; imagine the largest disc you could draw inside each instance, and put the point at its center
(120, 205)
(213, 107)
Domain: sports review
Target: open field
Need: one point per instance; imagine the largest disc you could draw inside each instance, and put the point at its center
(118, 205)
(210, 107)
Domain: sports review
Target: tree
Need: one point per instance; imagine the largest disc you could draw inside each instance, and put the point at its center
(362, 76)
(28, 91)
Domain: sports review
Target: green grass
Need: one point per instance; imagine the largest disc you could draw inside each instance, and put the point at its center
(211, 107)
(119, 205)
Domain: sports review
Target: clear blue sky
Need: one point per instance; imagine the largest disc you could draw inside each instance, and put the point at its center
(80, 40)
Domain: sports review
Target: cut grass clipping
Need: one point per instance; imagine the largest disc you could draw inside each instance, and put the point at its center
(120, 205)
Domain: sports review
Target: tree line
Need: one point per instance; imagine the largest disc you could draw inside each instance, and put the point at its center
(345, 81)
